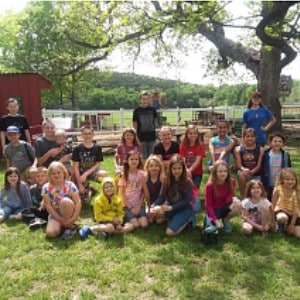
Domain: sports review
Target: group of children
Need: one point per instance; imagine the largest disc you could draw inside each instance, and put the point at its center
(159, 189)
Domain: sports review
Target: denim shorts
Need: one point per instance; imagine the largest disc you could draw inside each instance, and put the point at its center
(129, 215)
(6, 211)
(220, 213)
(179, 219)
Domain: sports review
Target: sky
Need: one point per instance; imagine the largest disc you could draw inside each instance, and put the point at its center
(191, 68)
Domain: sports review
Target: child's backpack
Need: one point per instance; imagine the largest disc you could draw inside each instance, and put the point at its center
(209, 238)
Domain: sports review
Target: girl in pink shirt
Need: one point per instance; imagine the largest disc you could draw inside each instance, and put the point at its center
(220, 203)
(132, 190)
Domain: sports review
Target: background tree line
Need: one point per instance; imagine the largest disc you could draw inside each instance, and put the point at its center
(114, 90)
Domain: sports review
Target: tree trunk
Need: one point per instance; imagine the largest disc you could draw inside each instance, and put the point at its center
(268, 80)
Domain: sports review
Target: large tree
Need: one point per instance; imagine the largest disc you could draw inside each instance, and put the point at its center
(87, 32)
(275, 25)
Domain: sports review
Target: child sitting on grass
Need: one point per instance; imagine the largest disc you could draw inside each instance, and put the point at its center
(38, 208)
(286, 202)
(62, 201)
(257, 212)
(15, 196)
(108, 212)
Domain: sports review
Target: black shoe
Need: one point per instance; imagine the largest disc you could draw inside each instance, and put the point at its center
(36, 223)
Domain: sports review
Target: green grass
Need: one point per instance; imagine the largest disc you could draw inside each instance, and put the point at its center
(148, 265)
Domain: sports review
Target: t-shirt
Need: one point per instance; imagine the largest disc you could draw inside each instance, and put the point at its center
(55, 196)
(166, 153)
(145, 119)
(122, 151)
(275, 167)
(18, 155)
(248, 205)
(66, 150)
(219, 147)
(87, 157)
(191, 154)
(36, 195)
(256, 118)
(18, 120)
(249, 157)
(13, 199)
(133, 187)
(42, 145)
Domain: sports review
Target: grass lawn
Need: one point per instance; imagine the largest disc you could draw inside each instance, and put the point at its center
(148, 265)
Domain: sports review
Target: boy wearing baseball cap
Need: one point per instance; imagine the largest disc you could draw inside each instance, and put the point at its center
(19, 153)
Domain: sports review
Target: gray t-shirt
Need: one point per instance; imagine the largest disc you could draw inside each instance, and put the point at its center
(42, 146)
(19, 156)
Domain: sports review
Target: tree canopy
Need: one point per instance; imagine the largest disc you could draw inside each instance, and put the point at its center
(64, 39)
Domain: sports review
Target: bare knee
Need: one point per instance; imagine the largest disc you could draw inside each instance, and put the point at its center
(247, 228)
(143, 222)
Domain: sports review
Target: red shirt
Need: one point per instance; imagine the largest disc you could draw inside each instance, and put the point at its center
(191, 154)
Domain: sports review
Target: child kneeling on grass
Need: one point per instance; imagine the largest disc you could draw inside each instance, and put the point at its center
(108, 212)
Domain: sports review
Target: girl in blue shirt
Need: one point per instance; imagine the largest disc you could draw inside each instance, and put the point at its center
(258, 117)
(15, 197)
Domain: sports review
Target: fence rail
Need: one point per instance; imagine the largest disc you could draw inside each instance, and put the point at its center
(117, 120)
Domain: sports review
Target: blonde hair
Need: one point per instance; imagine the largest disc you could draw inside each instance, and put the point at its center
(57, 165)
(289, 171)
(157, 160)
(60, 132)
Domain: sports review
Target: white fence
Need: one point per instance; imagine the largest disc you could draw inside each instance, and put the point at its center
(116, 120)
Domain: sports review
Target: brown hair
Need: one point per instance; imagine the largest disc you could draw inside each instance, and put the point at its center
(186, 141)
(249, 186)
(214, 178)
(184, 182)
(126, 165)
(9, 171)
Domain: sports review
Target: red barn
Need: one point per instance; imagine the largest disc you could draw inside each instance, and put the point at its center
(26, 88)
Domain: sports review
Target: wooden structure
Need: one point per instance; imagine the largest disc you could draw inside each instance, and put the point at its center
(206, 118)
(26, 88)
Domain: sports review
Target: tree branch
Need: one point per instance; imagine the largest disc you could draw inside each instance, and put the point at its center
(270, 16)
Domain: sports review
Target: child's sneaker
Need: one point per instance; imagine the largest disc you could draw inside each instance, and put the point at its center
(36, 223)
(103, 235)
(227, 226)
(69, 233)
(84, 232)
(210, 229)
(17, 216)
(280, 229)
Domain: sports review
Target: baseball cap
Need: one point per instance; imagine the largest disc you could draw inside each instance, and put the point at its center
(14, 129)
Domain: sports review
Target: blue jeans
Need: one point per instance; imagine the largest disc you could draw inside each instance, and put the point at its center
(129, 215)
(179, 219)
(197, 180)
(148, 148)
(7, 210)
